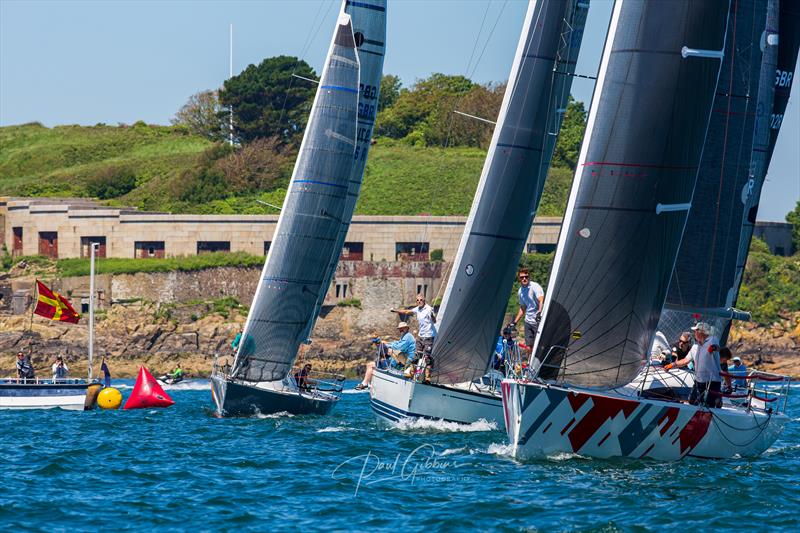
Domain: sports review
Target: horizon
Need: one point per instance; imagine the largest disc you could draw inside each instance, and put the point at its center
(149, 74)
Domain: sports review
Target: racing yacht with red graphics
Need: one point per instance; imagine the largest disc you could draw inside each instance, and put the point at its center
(625, 219)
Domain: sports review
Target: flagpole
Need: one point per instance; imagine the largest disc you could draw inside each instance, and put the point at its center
(93, 247)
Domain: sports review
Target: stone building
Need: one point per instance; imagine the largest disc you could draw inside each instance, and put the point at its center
(64, 228)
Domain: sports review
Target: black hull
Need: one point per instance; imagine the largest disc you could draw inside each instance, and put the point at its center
(236, 399)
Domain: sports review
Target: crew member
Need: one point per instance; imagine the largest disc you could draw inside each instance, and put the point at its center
(426, 319)
(24, 367)
(531, 302)
(60, 369)
(705, 355)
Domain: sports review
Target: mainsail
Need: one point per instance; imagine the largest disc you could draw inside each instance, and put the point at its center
(369, 27)
(704, 280)
(509, 190)
(308, 227)
(632, 190)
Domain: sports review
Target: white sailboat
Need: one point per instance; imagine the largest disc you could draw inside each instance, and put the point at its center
(306, 244)
(508, 194)
(626, 215)
(70, 394)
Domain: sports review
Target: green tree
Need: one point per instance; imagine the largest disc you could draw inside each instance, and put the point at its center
(203, 115)
(390, 90)
(793, 218)
(568, 146)
(268, 101)
(420, 111)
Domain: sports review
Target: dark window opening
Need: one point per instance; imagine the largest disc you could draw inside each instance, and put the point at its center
(541, 248)
(353, 251)
(423, 290)
(86, 243)
(267, 244)
(207, 247)
(148, 249)
(411, 251)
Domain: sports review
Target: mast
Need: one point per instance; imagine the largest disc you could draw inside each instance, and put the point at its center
(93, 248)
(309, 223)
(509, 190)
(369, 30)
(632, 190)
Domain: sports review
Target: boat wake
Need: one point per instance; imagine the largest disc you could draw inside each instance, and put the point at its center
(406, 424)
(354, 391)
(281, 414)
(196, 384)
(503, 450)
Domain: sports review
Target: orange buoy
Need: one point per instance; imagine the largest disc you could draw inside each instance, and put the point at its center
(147, 393)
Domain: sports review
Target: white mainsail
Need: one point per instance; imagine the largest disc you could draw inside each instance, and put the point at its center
(310, 221)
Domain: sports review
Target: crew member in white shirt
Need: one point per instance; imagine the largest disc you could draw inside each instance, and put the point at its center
(531, 301)
(426, 319)
(705, 355)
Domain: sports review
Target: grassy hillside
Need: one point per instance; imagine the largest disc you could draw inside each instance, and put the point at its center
(69, 160)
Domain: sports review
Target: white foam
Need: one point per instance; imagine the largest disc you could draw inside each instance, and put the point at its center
(451, 451)
(505, 450)
(194, 384)
(442, 425)
(354, 391)
(565, 456)
(333, 429)
(281, 414)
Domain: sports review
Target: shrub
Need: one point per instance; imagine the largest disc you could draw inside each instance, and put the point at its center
(352, 302)
(111, 182)
(437, 255)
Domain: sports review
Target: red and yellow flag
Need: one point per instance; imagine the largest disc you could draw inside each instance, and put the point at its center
(54, 306)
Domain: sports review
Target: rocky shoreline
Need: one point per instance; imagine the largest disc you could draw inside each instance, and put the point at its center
(147, 334)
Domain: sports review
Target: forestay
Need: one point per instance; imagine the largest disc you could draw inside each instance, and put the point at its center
(369, 27)
(309, 223)
(509, 190)
(632, 190)
(704, 281)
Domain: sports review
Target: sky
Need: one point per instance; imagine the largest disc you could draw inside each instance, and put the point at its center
(85, 62)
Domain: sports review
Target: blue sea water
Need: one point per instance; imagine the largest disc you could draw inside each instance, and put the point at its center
(180, 468)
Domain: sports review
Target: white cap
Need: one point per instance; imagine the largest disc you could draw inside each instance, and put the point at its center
(702, 326)
(402, 325)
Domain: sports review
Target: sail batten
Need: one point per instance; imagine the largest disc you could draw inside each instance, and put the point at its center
(310, 220)
(509, 189)
(632, 190)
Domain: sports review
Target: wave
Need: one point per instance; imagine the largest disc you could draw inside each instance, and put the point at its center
(193, 384)
(281, 414)
(443, 425)
(333, 429)
(503, 450)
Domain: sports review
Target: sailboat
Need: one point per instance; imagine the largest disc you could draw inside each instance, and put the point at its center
(505, 203)
(622, 232)
(70, 394)
(298, 267)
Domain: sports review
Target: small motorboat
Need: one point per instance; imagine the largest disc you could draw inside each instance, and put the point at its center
(169, 380)
(45, 394)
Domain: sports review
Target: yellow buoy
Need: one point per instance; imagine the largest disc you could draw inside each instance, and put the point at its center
(109, 398)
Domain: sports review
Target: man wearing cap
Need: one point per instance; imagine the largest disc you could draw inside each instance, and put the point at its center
(426, 319)
(24, 367)
(705, 355)
(404, 346)
(738, 369)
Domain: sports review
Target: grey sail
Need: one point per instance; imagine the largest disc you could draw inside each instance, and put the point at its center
(632, 190)
(777, 73)
(310, 219)
(509, 190)
(369, 29)
(704, 281)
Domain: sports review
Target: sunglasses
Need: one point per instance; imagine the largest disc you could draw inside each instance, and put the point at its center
(524, 277)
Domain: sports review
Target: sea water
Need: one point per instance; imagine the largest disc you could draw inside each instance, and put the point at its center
(181, 468)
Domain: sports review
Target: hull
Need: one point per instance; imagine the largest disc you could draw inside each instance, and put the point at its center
(395, 397)
(70, 396)
(238, 399)
(543, 420)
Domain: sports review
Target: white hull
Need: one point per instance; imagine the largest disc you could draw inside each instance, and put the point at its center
(543, 420)
(394, 397)
(14, 395)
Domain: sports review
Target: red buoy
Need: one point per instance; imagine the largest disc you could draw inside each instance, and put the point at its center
(147, 393)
